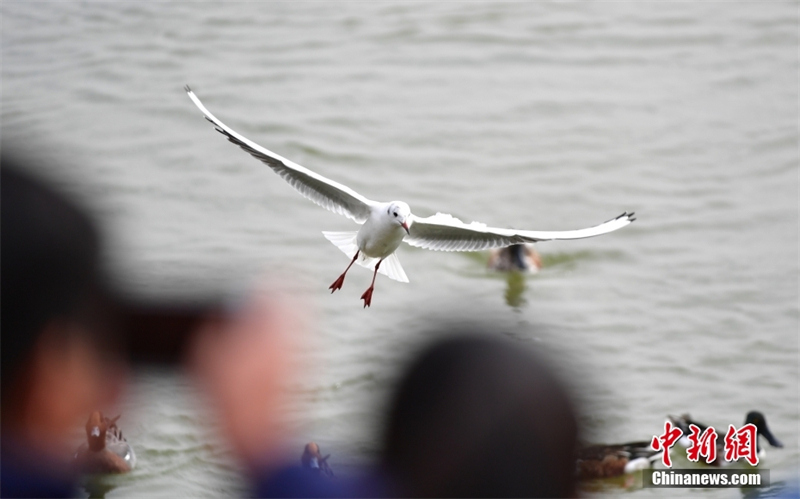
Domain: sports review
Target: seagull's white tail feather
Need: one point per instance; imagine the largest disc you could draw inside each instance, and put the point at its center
(347, 242)
(391, 267)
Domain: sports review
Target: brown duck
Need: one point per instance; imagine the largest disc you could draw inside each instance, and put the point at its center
(106, 450)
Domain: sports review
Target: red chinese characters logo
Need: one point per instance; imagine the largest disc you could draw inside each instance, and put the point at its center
(702, 445)
(741, 443)
(665, 441)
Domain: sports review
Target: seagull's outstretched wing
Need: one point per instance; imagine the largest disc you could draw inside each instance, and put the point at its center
(330, 195)
(443, 232)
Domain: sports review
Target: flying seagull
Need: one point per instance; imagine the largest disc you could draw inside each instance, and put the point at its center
(385, 225)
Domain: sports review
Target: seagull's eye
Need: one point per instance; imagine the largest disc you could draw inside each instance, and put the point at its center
(395, 213)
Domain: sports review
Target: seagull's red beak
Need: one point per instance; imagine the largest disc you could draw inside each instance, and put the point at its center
(405, 226)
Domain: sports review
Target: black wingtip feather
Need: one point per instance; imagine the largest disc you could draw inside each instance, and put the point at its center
(616, 218)
(186, 87)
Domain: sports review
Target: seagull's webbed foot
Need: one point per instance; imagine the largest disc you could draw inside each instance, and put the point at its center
(337, 284)
(367, 296)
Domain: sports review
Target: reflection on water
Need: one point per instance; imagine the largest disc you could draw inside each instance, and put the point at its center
(516, 280)
(97, 486)
(515, 289)
(613, 485)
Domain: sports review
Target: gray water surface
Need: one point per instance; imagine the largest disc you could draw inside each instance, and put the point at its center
(528, 115)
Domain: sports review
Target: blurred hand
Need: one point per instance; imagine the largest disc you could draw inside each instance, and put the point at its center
(68, 378)
(244, 364)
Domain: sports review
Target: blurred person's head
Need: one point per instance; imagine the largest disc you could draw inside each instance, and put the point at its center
(480, 416)
(55, 364)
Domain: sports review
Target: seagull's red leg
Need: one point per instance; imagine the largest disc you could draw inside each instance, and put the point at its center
(367, 296)
(337, 284)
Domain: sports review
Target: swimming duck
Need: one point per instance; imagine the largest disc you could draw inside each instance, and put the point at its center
(106, 450)
(517, 257)
(754, 417)
(606, 461)
(312, 460)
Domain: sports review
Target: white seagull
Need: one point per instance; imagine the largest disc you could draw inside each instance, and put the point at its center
(385, 225)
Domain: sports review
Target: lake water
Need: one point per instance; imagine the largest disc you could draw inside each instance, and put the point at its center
(539, 116)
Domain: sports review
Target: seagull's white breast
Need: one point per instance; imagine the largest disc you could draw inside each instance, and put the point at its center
(380, 236)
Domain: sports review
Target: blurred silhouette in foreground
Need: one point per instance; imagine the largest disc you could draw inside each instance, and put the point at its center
(106, 450)
(58, 361)
(244, 363)
(480, 416)
(475, 415)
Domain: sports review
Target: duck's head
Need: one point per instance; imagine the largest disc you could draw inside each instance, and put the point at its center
(311, 456)
(400, 213)
(312, 460)
(758, 420)
(96, 429)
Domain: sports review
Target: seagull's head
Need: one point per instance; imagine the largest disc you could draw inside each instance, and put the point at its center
(399, 213)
